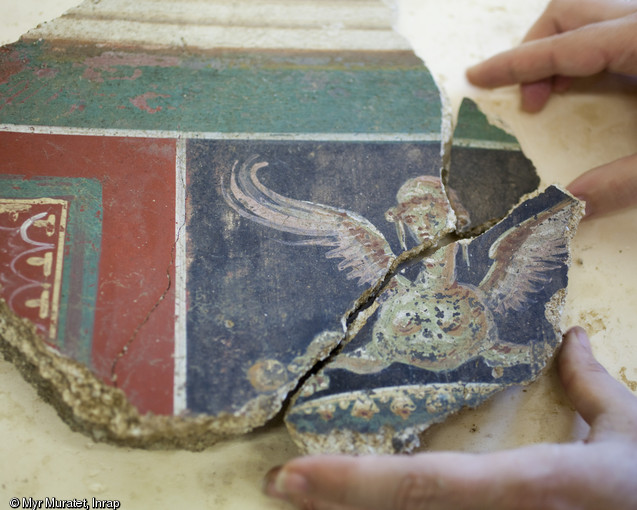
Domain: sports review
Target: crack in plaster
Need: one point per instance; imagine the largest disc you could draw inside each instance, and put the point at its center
(124, 350)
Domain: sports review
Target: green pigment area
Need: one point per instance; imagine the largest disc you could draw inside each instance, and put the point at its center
(82, 248)
(226, 92)
(472, 124)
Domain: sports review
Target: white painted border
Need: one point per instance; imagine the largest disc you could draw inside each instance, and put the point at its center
(485, 144)
(181, 334)
(213, 135)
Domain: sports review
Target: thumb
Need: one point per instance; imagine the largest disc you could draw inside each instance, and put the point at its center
(608, 187)
(604, 403)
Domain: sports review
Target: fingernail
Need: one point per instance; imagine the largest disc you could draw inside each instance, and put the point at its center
(581, 337)
(280, 483)
(268, 485)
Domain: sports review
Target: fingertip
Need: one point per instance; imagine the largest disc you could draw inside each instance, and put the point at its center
(269, 483)
(579, 333)
(476, 76)
(534, 96)
(607, 188)
(576, 346)
(577, 338)
(309, 477)
(585, 380)
(602, 401)
(570, 344)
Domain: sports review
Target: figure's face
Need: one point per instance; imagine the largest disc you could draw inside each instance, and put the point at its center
(422, 208)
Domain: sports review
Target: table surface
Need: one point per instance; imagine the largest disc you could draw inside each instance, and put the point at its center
(577, 131)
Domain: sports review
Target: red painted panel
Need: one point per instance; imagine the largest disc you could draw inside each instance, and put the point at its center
(133, 339)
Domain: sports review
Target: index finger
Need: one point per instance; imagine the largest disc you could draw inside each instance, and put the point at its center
(582, 52)
(609, 187)
(566, 15)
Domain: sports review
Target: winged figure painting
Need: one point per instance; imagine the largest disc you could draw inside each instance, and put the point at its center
(438, 323)
(434, 322)
(423, 211)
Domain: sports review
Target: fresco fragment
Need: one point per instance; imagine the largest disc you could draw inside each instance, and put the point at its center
(450, 338)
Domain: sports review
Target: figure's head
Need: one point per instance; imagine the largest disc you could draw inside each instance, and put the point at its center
(422, 208)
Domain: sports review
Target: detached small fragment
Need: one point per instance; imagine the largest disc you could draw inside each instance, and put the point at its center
(487, 173)
(481, 315)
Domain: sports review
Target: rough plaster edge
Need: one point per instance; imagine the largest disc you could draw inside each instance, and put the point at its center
(103, 412)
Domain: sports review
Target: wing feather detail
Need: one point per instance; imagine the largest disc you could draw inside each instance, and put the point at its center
(365, 252)
(525, 257)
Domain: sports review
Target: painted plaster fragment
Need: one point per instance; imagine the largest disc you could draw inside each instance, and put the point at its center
(309, 177)
(480, 315)
(488, 173)
(32, 235)
(284, 239)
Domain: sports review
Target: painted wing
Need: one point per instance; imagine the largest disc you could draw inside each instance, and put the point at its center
(364, 250)
(525, 255)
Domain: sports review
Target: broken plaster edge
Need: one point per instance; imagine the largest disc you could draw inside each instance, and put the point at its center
(104, 413)
(554, 309)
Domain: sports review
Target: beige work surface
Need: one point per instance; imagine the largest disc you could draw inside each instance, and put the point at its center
(42, 458)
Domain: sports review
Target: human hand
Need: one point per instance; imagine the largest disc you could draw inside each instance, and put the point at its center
(574, 38)
(597, 473)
